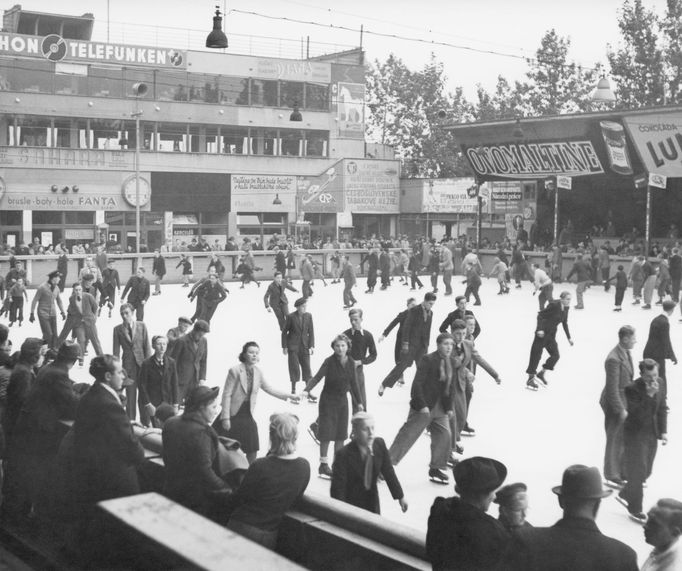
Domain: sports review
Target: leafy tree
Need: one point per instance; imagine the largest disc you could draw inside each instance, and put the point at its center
(504, 103)
(637, 66)
(671, 26)
(408, 109)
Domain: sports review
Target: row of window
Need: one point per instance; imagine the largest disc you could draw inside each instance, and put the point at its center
(77, 133)
(38, 76)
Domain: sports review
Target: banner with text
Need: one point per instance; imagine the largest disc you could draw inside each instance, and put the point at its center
(658, 140)
(448, 195)
(506, 196)
(371, 186)
(262, 193)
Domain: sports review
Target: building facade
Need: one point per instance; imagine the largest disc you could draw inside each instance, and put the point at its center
(227, 144)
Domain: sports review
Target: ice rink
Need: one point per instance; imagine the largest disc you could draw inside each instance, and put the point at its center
(536, 434)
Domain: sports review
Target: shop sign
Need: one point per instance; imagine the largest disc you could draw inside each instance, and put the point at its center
(535, 160)
(371, 186)
(79, 234)
(57, 158)
(506, 196)
(449, 195)
(55, 48)
(565, 182)
(263, 193)
(658, 139)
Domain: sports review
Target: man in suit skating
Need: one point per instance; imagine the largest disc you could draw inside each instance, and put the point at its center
(549, 319)
(81, 317)
(191, 355)
(658, 346)
(619, 374)
(298, 343)
(574, 542)
(138, 286)
(358, 465)
(131, 342)
(460, 312)
(275, 297)
(416, 333)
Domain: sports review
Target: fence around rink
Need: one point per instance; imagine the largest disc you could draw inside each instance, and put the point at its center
(38, 267)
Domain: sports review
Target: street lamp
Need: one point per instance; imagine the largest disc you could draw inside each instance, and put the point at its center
(603, 92)
(139, 90)
(217, 38)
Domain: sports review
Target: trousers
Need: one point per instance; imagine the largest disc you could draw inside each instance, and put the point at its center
(545, 295)
(437, 422)
(348, 296)
(547, 342)
(48, 327)
(613, 453)
(579, 291)
(639, 451)
(299, 362)
(447, 281)
(406, 360)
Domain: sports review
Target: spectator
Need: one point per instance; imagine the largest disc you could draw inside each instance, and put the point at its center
(460, 534)
(359, 465)
(191, 353)
(106, 452)
(271, 486)
(512, 500)
(158, 382)
(574, 542)
(662, 530)
(239, 400)
(190, 453)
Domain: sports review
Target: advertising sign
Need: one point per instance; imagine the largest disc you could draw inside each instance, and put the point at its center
(55, 48)
(350, 104)
(658, 180)
(322, 193)
(658, 140)
(449, 195)
(371, 186)
(59, 158)
(535, 160)
(263, 193)
(506, 196)
(565, 182)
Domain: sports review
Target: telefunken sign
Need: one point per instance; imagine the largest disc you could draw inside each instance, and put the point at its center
(55, 48)
(535, 160)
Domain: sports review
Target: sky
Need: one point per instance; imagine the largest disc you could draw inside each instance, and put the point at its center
(508, 26)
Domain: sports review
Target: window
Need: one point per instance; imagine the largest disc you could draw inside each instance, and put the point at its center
(11, 217)
(291, 94)
(171, 86)
(214, 218)
(47, 217)
(76, 217)
(264, 93)
(317, 143)
(34, 131)
(106, 133)
(62, 133)
(67, 84)
(106, 82)
(133, 76)
(265, 142)
(317, 96)
(292, 142)
(171, 137)
(248, 219)
(234, 140)
(31, 76)
(234, 90)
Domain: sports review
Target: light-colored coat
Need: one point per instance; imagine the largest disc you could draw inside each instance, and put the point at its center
(236, 387)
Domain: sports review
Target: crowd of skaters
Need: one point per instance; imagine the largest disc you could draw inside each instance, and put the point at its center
(156, 378)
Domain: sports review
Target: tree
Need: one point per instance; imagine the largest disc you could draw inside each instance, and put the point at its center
(506, 102)
(555, 85)
(408, 109)
(671, 26)
(637, 66)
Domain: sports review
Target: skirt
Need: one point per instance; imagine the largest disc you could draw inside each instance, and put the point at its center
(333, 420)
(244, 429)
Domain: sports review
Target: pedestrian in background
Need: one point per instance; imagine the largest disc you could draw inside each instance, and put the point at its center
(158, 270)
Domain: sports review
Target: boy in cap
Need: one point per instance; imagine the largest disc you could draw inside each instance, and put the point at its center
(512, 500)
(460, 534)
(574, 542)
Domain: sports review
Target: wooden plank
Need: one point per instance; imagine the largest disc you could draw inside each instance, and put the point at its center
(194, 538)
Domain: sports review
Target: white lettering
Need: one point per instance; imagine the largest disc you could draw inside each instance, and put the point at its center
(82, 50)
(18, 44)
(141, 55)
(4, 43)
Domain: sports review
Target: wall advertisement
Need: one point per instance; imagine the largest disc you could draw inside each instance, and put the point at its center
(448, 195)
(658, 140)
(506, 196)
(371, 186)
(263, 193)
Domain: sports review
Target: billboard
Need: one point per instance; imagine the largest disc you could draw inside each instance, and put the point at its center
(262, 193)
(658, 140)
(371, 186)
(449, 195)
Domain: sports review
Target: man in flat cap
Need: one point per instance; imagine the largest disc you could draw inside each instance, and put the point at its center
(574, 542)
(461, 535)
(45, 297)
(174, 333)
(298, 342)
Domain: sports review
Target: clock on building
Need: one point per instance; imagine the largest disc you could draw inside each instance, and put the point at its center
(129, 191)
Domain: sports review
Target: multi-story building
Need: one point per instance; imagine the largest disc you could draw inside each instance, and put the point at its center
(228, 144)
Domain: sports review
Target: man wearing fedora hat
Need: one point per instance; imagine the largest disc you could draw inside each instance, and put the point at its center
(574, 542)
(460, 534)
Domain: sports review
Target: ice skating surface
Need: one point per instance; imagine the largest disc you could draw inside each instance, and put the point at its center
(536, 434)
